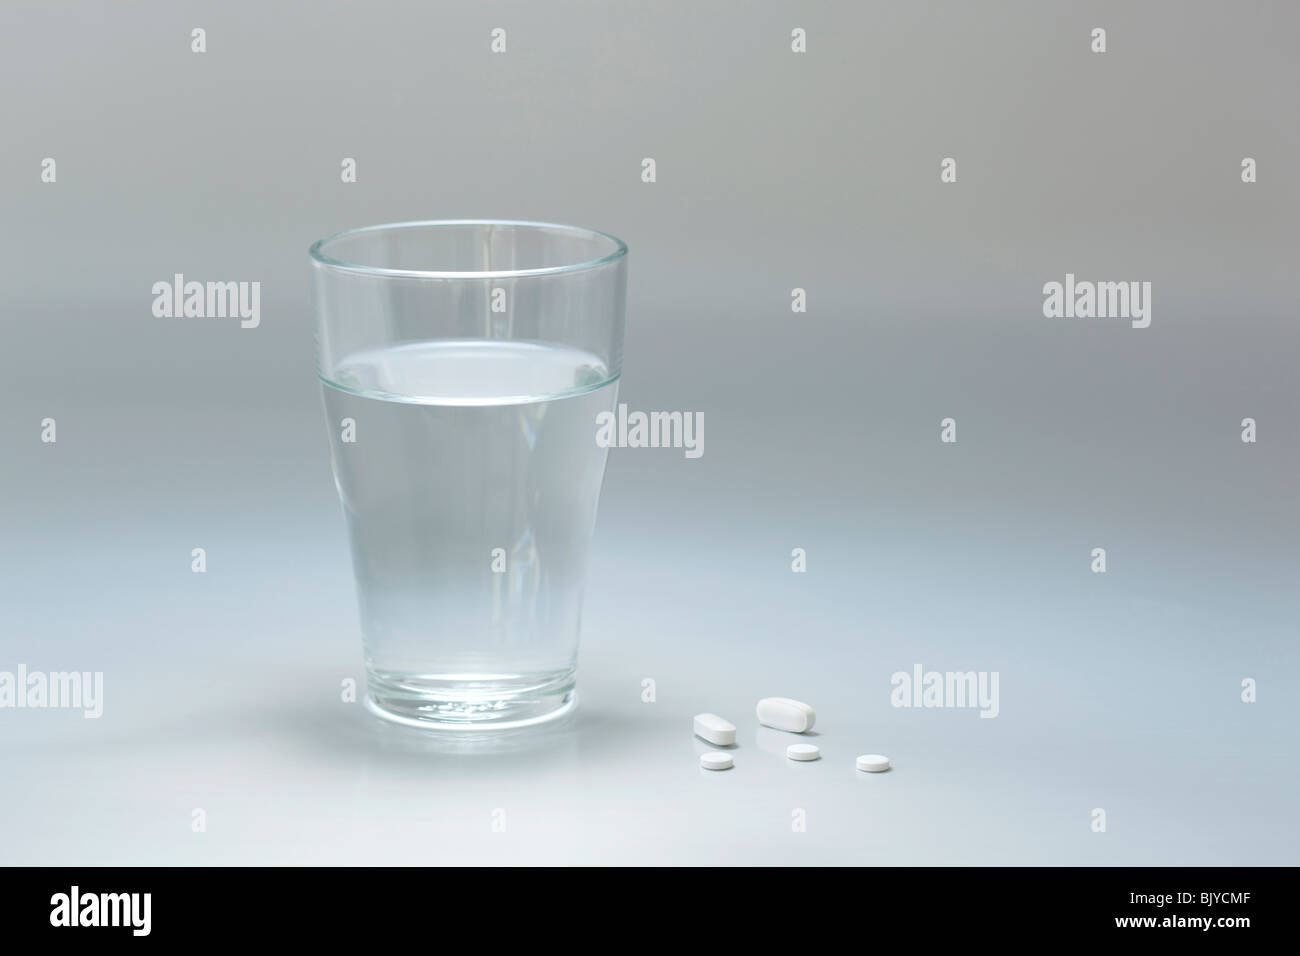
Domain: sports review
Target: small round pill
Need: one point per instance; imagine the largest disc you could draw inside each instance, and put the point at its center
(715, 760)
(803, 751)
(873, 763)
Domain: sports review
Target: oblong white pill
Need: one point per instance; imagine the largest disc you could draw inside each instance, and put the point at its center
(873, 763)
(715, 730)
(786, 714)
(803, 752)
(715, 760)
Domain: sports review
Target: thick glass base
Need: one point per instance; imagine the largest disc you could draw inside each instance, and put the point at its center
(468, 704)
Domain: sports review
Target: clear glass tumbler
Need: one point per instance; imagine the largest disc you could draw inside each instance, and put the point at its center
(463, 367)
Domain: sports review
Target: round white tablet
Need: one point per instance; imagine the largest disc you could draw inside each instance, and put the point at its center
(803, 752)
(715, 760)
(873, 763)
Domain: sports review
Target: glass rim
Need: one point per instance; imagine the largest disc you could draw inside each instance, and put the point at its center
(317, 251)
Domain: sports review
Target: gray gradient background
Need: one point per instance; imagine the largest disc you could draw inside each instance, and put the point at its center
(776, 170)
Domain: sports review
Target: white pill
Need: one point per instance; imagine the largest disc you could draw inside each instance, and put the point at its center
(715, 730)
(873, 763)
(786, 714)
(803, 752)
(715, 760)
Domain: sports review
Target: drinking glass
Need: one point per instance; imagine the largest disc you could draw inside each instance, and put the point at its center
(463, 365)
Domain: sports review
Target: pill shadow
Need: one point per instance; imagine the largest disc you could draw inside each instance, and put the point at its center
(773, 741)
